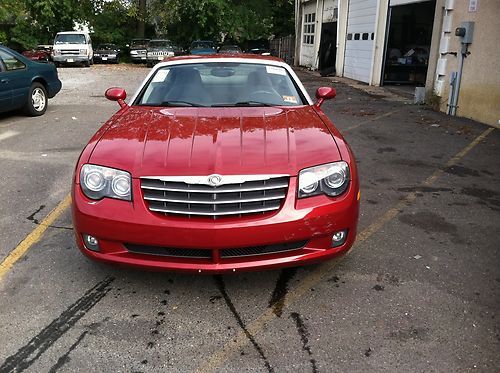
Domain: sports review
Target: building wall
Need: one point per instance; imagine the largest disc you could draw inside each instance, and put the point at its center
(308, 54)
(479, 96)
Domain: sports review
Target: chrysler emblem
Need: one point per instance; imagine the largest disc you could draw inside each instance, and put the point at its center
(214, 180)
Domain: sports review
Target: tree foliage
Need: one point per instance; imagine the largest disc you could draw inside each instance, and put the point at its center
(29, 22)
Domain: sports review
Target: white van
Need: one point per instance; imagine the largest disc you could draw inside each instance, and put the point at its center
(73, 47)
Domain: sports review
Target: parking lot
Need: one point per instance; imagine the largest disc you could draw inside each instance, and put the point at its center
(418, 292)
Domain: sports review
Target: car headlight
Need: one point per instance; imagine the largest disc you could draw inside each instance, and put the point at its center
(83, 51)
(331, 179)
(56, 52)
(98, 182)
(133, 52)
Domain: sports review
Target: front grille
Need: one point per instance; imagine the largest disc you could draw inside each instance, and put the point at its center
(261, 250)
(169, 251)
(188, 199)
(160, 53)
(70, 52)
(207, 253)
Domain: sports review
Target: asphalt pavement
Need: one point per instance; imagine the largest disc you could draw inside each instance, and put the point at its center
(418, 292)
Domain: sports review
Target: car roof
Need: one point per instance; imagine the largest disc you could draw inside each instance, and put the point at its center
(227, 56)
(72, 32)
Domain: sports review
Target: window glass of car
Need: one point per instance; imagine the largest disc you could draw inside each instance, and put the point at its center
(219, 84)
(202, 45)
(70, 39)
(11, 62)
(159, 43)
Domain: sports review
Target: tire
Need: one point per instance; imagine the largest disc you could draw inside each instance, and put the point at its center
(37, 100)
(86, 64)
(91, 61)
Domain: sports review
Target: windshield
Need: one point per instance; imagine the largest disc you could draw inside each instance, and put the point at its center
(107, 46)
(202, 45)
(139, 43)
(221, 84)
(159, 43)
(230, 48)
(70, 39)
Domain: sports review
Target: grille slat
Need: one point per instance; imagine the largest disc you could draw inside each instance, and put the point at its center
(151, 184)
(241, 198)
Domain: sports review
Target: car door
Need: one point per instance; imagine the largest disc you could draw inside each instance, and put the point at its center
(5, 91)
(15, 80)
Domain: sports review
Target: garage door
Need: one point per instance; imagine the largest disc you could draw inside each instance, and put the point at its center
(361, 19)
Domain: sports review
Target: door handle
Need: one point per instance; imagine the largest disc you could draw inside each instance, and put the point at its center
(4, 81)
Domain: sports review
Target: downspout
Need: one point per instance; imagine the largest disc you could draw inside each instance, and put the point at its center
(452, 108)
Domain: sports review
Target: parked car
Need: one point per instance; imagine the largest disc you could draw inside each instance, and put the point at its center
(106, 53)
(73, 47)
(217, 164)
(41, 53)
(201, 47)
(138, 49)
(158, 49)
(261, 50)
(230, 49)
(26, 84)
(178, 50)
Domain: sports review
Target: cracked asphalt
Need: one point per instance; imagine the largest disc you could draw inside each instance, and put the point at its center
(418, 292)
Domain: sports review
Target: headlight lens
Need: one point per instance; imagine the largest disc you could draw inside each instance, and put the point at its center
(98, 182)
(133, 52)
(331, 179)
(83, 51)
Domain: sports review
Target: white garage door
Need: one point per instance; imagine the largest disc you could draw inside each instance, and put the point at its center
(361, 19)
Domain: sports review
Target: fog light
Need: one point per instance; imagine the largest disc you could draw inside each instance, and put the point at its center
(338, 238)
(91, 242)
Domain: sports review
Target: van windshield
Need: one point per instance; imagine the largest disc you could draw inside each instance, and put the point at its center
(70, 39)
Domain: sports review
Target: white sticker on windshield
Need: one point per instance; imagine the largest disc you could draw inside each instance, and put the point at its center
(160, 76)
(291, 99)
(275, 70)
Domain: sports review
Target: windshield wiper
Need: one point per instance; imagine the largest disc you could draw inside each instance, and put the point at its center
(180, 103)
(244, 103)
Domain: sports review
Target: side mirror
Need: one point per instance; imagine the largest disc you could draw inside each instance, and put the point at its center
(117, 94)
(324, 93)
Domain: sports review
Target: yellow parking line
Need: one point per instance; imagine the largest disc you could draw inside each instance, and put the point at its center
(325, 269)
(389, 113)
(33, 237)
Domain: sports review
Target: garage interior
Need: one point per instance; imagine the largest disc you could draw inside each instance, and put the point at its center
(408, 43)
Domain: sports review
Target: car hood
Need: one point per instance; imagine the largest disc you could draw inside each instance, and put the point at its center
(203, 141)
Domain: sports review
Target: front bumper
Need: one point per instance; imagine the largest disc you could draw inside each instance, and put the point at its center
(70, 59)
(312, 220)
(138, 58)
(113, 58)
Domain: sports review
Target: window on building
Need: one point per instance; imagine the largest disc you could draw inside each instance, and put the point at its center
(309, 28)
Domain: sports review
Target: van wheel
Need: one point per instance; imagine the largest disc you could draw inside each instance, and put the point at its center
(37, 100)
(86, 63)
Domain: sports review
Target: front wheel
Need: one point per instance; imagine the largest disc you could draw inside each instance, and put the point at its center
(37, 100)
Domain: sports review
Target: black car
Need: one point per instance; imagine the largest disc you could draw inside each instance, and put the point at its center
(230, 49)
(138, 50)
(26, 84)
(106, 53)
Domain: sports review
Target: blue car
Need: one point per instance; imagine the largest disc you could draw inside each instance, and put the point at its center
(26, 84)
(201, 47)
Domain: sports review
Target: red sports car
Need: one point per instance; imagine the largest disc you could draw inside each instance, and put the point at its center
(41, 53)
(217, 164)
